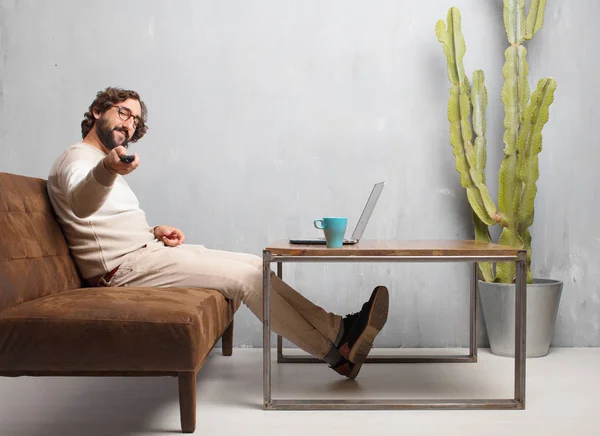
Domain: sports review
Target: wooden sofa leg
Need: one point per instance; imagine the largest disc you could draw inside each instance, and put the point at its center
(187, 401)
(227, 340)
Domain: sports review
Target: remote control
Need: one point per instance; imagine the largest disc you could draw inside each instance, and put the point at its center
(128, 158)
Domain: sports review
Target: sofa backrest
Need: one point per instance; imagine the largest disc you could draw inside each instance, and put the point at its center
(34, 256)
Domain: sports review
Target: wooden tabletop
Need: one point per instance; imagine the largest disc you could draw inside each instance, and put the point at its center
(446, 248)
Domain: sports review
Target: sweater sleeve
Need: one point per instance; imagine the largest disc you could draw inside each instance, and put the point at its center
(86, 186)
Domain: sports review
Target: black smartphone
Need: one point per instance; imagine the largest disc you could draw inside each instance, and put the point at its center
(128, 158)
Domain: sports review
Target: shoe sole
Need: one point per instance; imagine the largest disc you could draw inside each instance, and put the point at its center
(377, 318)
(354, 371)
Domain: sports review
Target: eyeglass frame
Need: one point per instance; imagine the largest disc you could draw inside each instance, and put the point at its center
(137, 121)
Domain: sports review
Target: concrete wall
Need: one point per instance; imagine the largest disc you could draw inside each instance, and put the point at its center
(267, 114)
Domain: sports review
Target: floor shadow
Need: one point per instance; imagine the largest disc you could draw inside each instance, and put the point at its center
(93, 406)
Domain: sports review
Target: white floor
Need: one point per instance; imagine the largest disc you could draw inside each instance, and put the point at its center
(563, 398)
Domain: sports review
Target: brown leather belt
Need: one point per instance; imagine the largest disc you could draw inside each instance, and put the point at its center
(102, 280)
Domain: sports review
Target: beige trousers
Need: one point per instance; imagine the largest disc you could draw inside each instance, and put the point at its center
(237, 276)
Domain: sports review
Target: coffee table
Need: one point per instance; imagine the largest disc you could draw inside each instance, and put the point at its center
(401, 251)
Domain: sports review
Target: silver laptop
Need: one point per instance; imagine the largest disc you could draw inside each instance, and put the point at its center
(360, 225)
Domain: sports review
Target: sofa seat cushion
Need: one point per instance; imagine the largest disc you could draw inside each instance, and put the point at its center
(113, 329)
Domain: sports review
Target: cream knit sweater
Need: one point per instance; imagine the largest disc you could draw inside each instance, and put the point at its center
(98, 212)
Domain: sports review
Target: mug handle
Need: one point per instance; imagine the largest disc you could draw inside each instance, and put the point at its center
(319, 221)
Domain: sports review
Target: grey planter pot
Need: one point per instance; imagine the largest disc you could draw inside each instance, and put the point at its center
(498, 303)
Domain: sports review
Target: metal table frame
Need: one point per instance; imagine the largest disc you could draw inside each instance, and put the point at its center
(516, 403)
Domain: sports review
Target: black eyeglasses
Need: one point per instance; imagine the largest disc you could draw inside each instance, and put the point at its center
(125, 113)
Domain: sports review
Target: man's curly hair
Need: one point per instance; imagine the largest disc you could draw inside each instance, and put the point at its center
(103, 102)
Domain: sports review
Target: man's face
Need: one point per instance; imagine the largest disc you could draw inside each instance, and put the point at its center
(114, 128)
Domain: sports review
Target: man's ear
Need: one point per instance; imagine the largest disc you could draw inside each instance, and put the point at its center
(96, 114)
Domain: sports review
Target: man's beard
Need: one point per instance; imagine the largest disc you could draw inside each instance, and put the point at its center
(107, 136)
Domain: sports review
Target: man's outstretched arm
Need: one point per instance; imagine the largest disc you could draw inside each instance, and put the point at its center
(88, 188)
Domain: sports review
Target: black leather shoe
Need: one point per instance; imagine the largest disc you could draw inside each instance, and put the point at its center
(357, 344)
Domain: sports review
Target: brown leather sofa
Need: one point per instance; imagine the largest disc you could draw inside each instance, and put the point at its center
(51, 325)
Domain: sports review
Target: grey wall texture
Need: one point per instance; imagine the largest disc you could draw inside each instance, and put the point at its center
(267, 114)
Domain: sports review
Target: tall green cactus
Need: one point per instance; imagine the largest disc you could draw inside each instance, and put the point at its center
(524, 119)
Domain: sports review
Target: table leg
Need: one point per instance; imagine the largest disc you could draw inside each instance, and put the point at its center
(267, 256)
(473, 313)
(280, 356)
(520, 326)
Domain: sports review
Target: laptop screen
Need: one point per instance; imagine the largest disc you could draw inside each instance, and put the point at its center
(367, 211)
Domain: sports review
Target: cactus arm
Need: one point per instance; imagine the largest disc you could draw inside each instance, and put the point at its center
(515, 94)
(479, 101)
(527, 173)
(514, 89)
(514, 11)
(454, 47)
(530, 145)
(535, 18)
(459, 111)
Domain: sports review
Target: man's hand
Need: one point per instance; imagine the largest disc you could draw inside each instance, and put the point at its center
(170, 236)
(112, 162)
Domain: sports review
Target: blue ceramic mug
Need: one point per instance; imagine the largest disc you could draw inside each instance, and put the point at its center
(334, 229)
